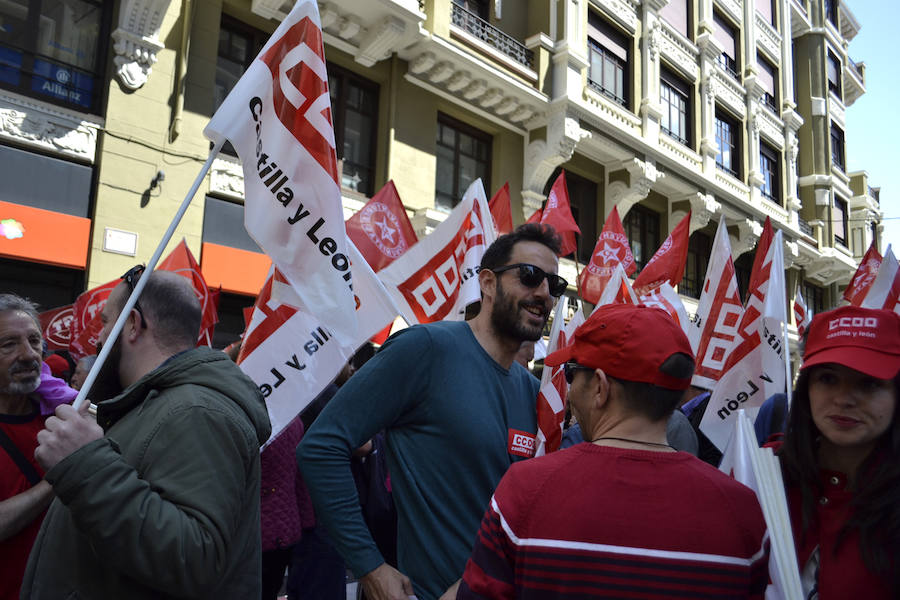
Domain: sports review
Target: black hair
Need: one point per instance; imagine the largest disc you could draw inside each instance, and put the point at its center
(172, 309)
(499, 252)
(875, 507)
(652, 401)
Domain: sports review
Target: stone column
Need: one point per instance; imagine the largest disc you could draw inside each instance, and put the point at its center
(650, 110)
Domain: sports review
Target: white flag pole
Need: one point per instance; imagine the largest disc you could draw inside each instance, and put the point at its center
(133, 298)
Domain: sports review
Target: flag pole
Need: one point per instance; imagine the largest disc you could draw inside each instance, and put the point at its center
(789, 382)
(133, 298)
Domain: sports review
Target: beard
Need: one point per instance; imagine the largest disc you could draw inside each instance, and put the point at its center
(107, 384)
(506, 321)
(25, 386)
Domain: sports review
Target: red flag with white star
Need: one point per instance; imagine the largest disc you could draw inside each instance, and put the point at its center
(612, 248)
(381, 230)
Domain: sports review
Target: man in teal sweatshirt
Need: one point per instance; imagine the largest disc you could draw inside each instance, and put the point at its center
(457, 410)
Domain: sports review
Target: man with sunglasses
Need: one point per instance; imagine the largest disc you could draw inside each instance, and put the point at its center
(457, 411)
(623, 513)
(159, 498)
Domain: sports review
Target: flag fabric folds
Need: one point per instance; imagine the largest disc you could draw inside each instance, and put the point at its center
(864, 276)
(558, 214)
(438, 277)
(665, 297)
(56, 326)
(756, 365)
(618, 289)
(714, 329)
(501, 210)
(535, 216)
(885, 289)
(278, 119)
(381, 230)
(611, 249)
(802, 315)
(86, 325)
(667, 265)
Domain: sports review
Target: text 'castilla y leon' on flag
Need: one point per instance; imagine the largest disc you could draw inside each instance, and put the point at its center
(278, 118)
(438, 277)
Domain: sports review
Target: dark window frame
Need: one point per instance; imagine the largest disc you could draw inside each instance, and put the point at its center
(27, 71)
(838, 147)
(255, 39)
(671, 87)
(479, 8)
(830, 7)
(814, 296)
(834, 87)
(722, 120)
(699, 251)
(479, 135)
(339, 119)
(643, 221)
(770, 169)
(769, 100)
(840, 206)
(731, 65)
(609, 59)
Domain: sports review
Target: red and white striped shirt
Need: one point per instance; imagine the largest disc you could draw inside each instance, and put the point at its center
(601, 522)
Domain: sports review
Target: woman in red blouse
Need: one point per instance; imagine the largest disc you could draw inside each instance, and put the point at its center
(841, 456)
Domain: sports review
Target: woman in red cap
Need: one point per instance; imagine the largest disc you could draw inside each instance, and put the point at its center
(841, 456)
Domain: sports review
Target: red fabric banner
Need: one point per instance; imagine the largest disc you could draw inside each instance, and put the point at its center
(612, 248)
(501, 211)
(667, 265)
(558, 214)
(381, 230)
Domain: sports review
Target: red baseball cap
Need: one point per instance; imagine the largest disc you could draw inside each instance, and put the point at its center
(628, 342)
(58, 365)
(864, 339)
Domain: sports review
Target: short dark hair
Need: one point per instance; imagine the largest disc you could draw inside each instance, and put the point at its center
(499, 252)
(652, 401)
(14, 302)
(173, 310)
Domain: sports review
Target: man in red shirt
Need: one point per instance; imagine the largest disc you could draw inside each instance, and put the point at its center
(622, 514)
(24, 495)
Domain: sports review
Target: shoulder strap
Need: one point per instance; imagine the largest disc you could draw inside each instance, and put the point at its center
(16, 455)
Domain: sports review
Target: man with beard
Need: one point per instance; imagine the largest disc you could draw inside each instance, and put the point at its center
(23, 493)
(159, 498)
(457, 411)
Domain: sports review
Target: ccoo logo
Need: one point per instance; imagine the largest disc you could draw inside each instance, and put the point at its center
(300, 91)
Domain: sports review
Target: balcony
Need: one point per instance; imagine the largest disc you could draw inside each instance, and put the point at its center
(854, 80)
(490, 35)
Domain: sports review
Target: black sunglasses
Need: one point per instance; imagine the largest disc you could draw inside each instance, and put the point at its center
(532, 276)
(570, 367)
(131, 278)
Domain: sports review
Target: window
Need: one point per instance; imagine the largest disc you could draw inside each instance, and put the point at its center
(699, 250)
(814, 297)
(583, 201)
(839, 220)
(676, 13)
(834, 74)
(238, 46)
(728, 157)
(354, 107)
(831, 11)
(675, 97)
(479, 8)
(608, 50)
(837, 147)
(769, 168)
(766, 10)
(642, 229)
(726, 35)
(463, 155)
(767, 79)
(54, 49)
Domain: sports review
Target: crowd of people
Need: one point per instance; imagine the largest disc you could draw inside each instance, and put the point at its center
(417, 473)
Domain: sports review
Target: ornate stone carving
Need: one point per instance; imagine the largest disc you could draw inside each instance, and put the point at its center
(703, 208)
(770, 126)
(136, 40)
(459, 81)
(226, 176)
(491, 98)
(523, 113)
(349, 28)
(440, 73)
(682, 54)
(748, 234)
(30, 123)
(542, 156)
(507, 106)
(379, 40)
(475, 89)
(624, 11)
(768, 38)
(422, 63)
(641, 176)
(653, 35)
(728, 91)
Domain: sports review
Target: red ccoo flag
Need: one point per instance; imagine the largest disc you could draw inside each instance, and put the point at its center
(381, 230)
(667, 265)
(612, 248)
(56, 325)
(501, 211)
(864, 276)
(558, 214)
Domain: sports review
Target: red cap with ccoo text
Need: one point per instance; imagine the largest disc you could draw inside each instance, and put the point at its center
(864, 339)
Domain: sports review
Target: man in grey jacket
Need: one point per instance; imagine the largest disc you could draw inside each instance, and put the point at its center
(160, 497)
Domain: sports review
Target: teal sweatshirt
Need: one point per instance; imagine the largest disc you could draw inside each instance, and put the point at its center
(451, 413)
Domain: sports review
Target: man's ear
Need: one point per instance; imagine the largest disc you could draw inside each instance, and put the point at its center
(487, 281)
(600, 389)
(132, 329)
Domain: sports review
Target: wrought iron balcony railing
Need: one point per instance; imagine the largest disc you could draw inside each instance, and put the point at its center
(490, 35)
(804, 226)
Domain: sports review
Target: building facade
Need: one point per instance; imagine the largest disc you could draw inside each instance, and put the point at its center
(726, 108)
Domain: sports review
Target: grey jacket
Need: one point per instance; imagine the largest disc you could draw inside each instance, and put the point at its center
(166, 505)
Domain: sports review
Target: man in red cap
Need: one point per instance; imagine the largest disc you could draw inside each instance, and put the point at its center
(622, 514)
